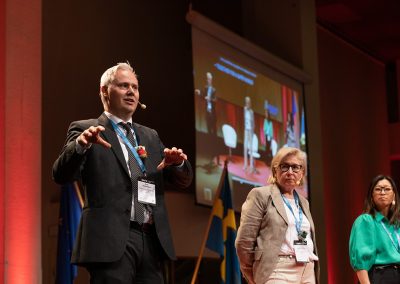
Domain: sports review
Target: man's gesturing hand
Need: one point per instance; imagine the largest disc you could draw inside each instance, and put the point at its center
(92, 136)
(172, 156)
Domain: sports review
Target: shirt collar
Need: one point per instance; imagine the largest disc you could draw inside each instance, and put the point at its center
(116, 119)
(379, 217)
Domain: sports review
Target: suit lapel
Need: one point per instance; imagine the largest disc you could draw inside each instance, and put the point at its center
(143, 139)
(111, 137)
(278, 202)
(140, 137)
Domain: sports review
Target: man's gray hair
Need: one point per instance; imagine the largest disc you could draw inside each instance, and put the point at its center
(109, 75)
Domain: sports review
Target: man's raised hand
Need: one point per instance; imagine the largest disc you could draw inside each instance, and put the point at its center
(92, 136)
(172, 156)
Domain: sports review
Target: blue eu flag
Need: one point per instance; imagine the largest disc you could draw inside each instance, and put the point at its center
(70, 214)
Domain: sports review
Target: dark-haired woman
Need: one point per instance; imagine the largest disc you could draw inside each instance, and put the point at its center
(375, 237)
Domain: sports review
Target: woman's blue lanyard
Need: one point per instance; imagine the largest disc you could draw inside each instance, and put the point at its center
(297, 222)
(127, 143)
(391, 238)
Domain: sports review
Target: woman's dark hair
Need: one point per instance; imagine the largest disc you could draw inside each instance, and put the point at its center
(394, 211)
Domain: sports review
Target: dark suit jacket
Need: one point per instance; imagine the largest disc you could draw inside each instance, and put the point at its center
(104, 226)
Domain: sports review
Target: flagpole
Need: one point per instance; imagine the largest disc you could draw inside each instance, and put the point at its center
(78, 193)
(203, 244)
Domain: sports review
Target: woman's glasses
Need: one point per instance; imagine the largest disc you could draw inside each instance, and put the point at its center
(382, 189)
(285, 167)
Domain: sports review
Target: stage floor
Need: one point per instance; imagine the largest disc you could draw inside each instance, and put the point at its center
(257, 177)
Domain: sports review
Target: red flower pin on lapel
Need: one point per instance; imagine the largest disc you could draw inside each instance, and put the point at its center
(141, 150)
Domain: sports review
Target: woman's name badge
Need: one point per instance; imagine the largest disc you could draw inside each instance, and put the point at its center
(146, 191)
(301, 250)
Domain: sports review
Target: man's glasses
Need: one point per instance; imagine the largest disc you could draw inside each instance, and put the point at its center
(285, 167)
(382, 189)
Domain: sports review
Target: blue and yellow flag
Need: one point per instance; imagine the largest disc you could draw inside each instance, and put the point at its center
(70, 214)
(222, 234)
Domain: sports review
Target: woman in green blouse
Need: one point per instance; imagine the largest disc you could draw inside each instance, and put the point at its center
(375, 237)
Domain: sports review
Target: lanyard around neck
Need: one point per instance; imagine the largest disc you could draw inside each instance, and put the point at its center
(391, 238)
(131, 148)
(297, 221)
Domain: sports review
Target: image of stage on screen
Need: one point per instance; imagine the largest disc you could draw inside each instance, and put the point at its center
(243, 114)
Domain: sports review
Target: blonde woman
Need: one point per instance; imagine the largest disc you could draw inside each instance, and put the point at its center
(276, 237)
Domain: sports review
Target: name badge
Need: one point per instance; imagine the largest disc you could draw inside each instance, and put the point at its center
(301, 251)
(146, 191)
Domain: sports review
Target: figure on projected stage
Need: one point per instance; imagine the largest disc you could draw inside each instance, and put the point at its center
(210, 100)
(248, 136)
(268, 132)
(291, 140)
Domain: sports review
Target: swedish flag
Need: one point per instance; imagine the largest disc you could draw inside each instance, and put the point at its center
(222, 234)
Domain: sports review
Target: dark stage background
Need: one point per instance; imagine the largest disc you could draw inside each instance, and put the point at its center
(350, 139)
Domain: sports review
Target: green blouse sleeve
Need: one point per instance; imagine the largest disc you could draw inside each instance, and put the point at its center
(362, 245)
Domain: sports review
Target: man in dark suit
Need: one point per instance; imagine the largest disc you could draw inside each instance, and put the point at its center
(124, 232)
